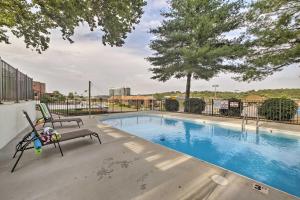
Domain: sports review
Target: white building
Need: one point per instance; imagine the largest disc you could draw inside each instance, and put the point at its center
(124, 91)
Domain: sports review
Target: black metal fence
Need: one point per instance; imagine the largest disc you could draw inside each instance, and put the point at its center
(14, 85)
(82, 106)
(290, 113)
(277, 111)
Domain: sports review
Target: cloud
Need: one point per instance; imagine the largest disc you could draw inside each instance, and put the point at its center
(147, 25)
(68, 67)
(159, 4)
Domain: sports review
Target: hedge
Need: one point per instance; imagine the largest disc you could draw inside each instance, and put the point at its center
(278, 109)
(195, 105)
(171, 105)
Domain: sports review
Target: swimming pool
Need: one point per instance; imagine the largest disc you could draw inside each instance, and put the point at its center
(273, 159)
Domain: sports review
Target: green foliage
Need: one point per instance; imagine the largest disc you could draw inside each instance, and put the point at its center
(171, 105)
(71, 95)
(280, 109)
(235, 107)
(275, 25)
(267, 93)
(55, 96)
(45, 98)
(189, 42)
(195, 105)
(33, 20)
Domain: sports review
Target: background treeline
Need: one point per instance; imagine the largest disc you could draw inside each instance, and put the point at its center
(268, 93)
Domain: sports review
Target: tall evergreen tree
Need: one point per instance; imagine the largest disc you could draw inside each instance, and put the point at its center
(190, 42)
(34, 19)
(274, 27)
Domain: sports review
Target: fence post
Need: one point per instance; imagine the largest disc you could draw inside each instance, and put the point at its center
(17, 86)
(160, 105)
(121, 105)
(280, 110)
(67, 107)
(101, 107)
(298, 115)
(90, 84)
(212, 107)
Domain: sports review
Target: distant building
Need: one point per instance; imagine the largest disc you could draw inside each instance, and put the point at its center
(125, 91)
(133, 100)
(38, 89)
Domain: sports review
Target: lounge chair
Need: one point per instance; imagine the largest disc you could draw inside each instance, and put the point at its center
(49, 118)
(28, 139)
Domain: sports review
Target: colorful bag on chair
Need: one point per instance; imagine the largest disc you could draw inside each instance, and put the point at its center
(49, 134)
(36, 144)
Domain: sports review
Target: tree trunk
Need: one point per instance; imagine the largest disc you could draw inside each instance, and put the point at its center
(187, 92)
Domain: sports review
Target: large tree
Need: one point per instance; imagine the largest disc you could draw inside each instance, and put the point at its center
(274, 30)
(191, 43)
(33, 20)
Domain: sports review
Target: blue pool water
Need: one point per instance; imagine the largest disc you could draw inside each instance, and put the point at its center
(273, 159)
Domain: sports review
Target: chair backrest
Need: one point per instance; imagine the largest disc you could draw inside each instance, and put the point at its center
(31, 123)
(45, 111)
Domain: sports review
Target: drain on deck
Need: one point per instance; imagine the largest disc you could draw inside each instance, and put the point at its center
(260, 188)
(219, 180)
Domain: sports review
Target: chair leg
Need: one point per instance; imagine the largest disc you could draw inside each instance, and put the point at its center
(22, 151)
(52, 124)
(91, 137)
(54, 144)
(97, 136)
(16, 163)
(15, 154)
(78, 124)
(60, 149)
(17, 149)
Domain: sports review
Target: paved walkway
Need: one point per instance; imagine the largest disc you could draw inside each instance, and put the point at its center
(123, 167)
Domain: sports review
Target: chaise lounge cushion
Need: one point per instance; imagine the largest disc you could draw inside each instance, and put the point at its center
(67, 120)
(76, 134)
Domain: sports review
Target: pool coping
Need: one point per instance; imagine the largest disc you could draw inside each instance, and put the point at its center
(117, 115)
(227, 124)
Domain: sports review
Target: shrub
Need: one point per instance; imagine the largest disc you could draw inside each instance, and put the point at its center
(195, 105)
(278, 109)
(171, 105)
(45, 99)
(235, 107)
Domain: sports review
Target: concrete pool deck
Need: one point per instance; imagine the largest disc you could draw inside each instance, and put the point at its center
(122, 167)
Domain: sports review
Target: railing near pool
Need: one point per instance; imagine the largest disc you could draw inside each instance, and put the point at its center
(213, 107)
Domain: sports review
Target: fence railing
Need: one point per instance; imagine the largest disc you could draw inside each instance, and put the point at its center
(221, 107)
(14, 85)
(80, 106)
(283, 112)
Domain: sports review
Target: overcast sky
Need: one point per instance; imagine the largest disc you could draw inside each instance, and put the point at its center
(68, 67)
